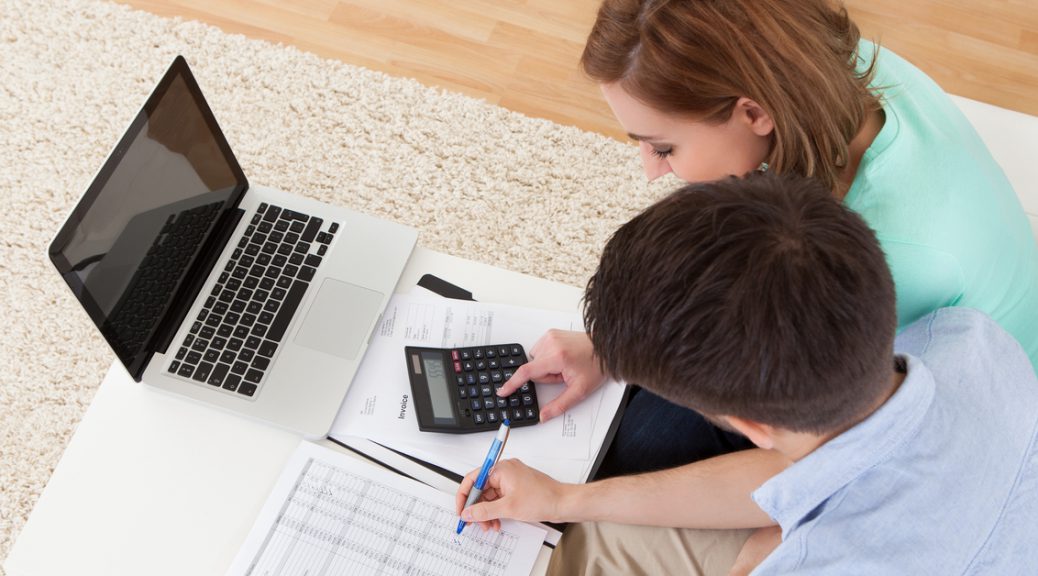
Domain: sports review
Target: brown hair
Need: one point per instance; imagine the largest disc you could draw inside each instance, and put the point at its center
(763, 298)
(796, 58)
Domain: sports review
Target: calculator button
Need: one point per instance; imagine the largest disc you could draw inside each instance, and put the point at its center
(478, 417)
(525, 388)
(462, 393)
(491, 353)
(516, 350)
(478, 355)
(527, 399)
(502, 351)
(504, 414)
(476, 404)
(487, 390)
(470, 379)
(517, 414)
(466, 355)
(481, 365)
(513, 401)
(461, 381)
(508, 374)
(493, 364)
(531, 413)
(492, 417)
(454, 355)
(502, 402)
(511, 362)
(457, 366)
(468, 366)
(473, 392)
(484, 378)
(495, 376)
(489, 403)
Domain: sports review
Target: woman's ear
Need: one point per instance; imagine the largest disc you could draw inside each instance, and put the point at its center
(754, 116)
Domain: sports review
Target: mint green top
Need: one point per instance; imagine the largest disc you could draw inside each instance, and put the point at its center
(951, 226)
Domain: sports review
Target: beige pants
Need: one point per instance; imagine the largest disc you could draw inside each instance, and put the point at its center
(602, 548)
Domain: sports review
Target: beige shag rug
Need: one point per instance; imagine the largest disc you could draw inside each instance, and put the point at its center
(72, 75)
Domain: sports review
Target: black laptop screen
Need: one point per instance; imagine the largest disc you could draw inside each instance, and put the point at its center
(144, 221)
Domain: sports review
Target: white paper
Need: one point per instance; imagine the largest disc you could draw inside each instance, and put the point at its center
(333, 514)
(379, 404)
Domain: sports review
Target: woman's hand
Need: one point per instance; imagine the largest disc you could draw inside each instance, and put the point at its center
(560, 357)
(759, 545)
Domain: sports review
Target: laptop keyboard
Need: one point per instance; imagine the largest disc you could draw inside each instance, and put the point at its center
(238, 331)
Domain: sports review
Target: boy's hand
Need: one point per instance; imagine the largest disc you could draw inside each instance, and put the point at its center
(513, 490)
(560, 357)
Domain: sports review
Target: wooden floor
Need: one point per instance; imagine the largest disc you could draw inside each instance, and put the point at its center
(522, 54)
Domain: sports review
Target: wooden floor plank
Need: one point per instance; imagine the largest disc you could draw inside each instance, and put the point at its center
(523, 54)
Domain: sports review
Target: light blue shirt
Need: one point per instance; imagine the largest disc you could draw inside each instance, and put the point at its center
(941, 479)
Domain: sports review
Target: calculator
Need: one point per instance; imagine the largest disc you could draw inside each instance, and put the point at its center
(455, 389)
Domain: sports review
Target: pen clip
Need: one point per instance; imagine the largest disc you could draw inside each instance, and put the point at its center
(501, 450)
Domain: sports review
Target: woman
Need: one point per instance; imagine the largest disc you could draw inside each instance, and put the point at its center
(712, 88)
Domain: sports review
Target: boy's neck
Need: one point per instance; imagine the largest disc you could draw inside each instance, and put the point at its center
(797, 445)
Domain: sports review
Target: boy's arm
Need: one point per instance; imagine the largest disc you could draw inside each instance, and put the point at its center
(713, 493)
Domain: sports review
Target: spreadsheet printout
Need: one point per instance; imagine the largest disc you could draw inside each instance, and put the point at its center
(332, 514)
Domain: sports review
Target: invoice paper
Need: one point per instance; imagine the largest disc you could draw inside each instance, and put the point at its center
(379, 405)
(333, 514)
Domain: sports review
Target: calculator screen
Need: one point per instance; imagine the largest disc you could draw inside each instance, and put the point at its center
(439, 394)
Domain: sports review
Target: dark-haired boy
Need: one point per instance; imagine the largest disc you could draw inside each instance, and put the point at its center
(767, 305)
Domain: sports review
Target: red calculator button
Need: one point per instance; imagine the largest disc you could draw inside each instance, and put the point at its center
(454, 355)
(457, 367)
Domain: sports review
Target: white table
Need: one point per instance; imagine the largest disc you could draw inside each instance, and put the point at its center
(156, 484)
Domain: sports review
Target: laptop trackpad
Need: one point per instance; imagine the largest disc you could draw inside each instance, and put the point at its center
(340, 319)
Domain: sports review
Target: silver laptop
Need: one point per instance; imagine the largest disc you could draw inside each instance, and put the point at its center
(247, 298)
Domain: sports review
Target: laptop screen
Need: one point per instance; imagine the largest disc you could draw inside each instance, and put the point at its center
(148, 216)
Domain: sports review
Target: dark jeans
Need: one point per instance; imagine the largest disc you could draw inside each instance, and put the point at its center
(655, 434)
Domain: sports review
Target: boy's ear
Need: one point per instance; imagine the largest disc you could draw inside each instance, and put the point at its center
(762, 435)
(755, 116)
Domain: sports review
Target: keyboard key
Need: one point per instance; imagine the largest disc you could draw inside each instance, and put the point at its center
(267, 348)
(231, 382)
(288, 309)
(202, 372)
(311, 230)
(247, 389)
(219, 372)
(253, 376)
(272, 214)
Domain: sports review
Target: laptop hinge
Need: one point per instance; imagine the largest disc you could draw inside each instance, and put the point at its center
(194, 281)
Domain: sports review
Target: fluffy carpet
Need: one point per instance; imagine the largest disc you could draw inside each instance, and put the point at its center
(73, 74)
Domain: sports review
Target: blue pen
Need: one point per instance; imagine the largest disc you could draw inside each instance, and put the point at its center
(492, 457)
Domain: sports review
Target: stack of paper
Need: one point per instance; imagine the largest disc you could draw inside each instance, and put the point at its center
(377, 406)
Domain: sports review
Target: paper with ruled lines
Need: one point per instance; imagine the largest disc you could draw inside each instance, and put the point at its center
(333, 514)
